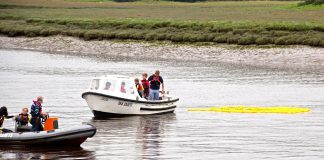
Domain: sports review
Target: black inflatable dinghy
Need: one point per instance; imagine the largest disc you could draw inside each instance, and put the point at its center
(72, 136)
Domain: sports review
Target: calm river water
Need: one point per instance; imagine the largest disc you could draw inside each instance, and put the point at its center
(61, 79)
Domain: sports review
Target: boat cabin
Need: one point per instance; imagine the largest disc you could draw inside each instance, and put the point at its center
(120, 86)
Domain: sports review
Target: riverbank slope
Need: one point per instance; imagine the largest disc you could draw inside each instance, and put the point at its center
(297, 57)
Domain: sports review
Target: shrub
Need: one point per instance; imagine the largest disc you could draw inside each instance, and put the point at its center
(312, 42)
(161, 37)
(263, 41)
(123, 35)
(176, 38)
(220, 39)
(189, 37)
(210, 37)
(240, 31)
(231, 39)
(246, 40)
(314, 2)
(125, 0)
(109, 35)
(89, 35)
(190, 1)
(280, 41)
(150, 36)
(321, 43)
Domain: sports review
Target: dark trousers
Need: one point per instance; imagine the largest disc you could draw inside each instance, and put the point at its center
(37, 124)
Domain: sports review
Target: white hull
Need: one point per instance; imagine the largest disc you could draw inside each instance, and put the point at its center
(106, 106)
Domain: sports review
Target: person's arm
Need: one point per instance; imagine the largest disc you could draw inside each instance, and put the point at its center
(17, 118)
(162, 85)
(1, 121)
(150, 78)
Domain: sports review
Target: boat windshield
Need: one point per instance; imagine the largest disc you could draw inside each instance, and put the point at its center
(95, 84)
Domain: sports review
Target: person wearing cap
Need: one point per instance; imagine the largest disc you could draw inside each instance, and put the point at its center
(37, 114)
(155, 81)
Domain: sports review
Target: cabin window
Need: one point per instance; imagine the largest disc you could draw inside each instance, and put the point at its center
(109, 85)
(126, 87)
(95, 84)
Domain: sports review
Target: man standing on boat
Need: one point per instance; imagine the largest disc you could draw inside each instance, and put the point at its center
(155, 81)
(37, 114)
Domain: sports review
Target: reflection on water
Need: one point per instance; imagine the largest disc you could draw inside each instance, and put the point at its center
(41, 152)
(25, 75)
(141, 134)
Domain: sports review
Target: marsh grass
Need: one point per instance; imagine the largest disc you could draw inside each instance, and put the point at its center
(89, 21)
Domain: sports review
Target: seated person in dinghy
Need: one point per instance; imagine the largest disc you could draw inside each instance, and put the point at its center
(23, 118)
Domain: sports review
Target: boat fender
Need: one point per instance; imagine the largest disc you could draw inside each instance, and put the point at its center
(137, 98)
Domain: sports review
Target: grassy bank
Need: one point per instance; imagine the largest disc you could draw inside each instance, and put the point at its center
(244, 23)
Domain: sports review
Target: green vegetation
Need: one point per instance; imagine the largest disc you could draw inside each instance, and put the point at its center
(243, 23)
(313, 2)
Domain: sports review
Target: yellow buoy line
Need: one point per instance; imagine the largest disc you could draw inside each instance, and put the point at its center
(252, 109)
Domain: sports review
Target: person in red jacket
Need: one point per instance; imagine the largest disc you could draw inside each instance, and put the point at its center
(146, 85)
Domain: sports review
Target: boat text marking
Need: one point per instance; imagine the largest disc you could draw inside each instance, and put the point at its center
(125, 104)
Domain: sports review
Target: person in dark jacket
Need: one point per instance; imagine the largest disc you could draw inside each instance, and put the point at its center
(3, 115)
(155, 81)
(37, 114)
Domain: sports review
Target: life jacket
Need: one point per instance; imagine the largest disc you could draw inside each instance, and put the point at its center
(155, 80)
(39, 105)
(23, 119)
(145, 84)
(37, 119)
(139, 87)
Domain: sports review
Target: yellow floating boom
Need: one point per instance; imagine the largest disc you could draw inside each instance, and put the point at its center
(252, 109)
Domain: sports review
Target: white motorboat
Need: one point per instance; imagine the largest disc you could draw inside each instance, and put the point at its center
(111, 96)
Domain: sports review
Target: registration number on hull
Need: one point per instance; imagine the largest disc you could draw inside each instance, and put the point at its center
(8, 135)
(127, 104)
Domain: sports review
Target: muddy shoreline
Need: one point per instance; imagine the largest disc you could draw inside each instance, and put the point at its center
(296, 57)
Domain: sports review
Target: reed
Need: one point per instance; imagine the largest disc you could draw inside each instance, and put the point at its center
(100, 21)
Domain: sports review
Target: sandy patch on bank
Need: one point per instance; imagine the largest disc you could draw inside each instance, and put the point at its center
(290, 57)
